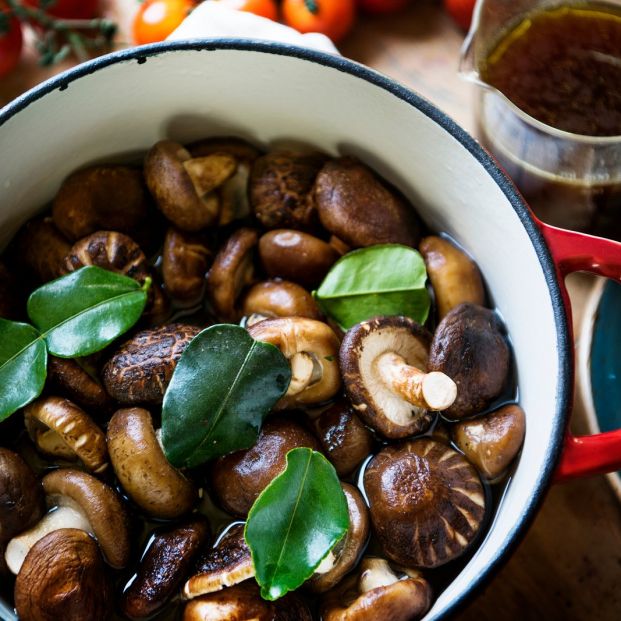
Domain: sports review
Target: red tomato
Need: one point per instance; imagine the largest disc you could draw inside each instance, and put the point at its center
(334, 18)
(67, 9)
(264, 8)
(11, 42)
(460, 11)
(156, 19)
(378, 7)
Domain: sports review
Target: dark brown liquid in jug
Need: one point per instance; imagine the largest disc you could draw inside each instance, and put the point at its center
(562, 66)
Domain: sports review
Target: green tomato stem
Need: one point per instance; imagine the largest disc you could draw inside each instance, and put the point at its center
(312, 6)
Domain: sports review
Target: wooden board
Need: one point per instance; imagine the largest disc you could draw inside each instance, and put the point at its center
(569, 565)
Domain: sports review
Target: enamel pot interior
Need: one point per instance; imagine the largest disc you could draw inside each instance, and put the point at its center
(120, 105)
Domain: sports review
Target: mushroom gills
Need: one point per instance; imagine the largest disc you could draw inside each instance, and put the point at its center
(392, 404)
(305, 371)
(378, 591)
(67, 515)
(377, 573)
(209, 172)
(61, 429)
(225, 565)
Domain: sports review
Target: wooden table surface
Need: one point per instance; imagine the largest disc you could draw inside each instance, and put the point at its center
(569, 565)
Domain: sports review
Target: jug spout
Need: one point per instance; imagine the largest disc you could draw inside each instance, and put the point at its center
(468, 66)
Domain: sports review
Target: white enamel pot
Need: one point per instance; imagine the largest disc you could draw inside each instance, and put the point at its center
(122, 103)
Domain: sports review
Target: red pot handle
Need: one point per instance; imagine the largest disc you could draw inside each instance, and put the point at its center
(576, 252)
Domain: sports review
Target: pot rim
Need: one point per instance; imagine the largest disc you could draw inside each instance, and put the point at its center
(564, 346)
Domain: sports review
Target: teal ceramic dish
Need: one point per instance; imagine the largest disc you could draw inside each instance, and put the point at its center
(600, 366)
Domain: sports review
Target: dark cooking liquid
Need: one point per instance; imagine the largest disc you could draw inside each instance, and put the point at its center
(563, 67)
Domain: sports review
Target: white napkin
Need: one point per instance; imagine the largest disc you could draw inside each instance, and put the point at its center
(212, 20)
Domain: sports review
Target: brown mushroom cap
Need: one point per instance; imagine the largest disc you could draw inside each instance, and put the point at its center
(346, 442)
(312, 349)
(112, 197)
(379, 592)
(470, 347)
(42, 248)
(21, 496)
(69, 377)
(454, 276)
(225, 565)
(243, 603)
(183, 187)
(238, 479)
(491, 442)
(232, 270)
(100, 504)
(426, 501)
(360, 208)
(142, 468)
(111, 251)
(296, 256)
(348, 551)
(60, 428)
(375, 401)
(279, 298)
(63, 577)
(281, 189)
(185, 260)
(141, 369)
(162, 568)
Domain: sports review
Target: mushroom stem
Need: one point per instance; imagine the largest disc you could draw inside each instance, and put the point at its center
(63, 517)
(304, 371)
(432, 391)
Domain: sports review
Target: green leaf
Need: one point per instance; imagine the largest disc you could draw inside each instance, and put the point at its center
(84, 311)
(23, 366)
(387, 279)
(295, 522)
(223, 386)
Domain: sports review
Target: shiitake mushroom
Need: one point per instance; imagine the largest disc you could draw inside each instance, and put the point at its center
(243, 602)
(21, 495)
(378, 591)
(239, 478)
(140, 370)
(344, 439)
(226, 564)
(426, 502)
(63, 577)
(42, 249)
(470, 347)
(360, 208)
(279, 298)
(281, 189)
(296, 256)
(162, 568)
(100, 197)
(491, 442)
(111, 251)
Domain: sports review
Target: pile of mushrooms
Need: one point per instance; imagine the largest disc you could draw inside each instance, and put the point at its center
(417, 419)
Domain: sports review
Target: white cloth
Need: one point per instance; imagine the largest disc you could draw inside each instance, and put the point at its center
(212, 20)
